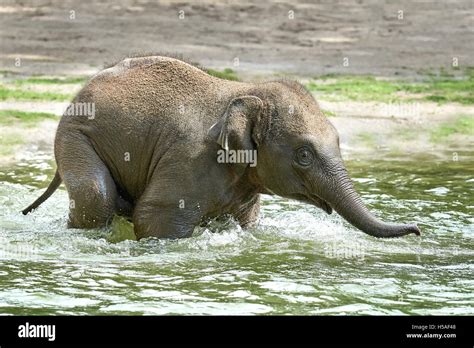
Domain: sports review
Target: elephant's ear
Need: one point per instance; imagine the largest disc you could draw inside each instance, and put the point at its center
(236, 129)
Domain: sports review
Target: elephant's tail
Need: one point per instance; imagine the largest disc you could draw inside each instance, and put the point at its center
(49, 191)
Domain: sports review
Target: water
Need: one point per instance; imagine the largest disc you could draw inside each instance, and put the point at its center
(298, 260)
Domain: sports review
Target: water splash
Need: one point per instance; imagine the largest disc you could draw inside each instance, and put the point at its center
(297, 260)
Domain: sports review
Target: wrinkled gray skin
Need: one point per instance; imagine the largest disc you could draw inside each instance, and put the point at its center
(151, 151)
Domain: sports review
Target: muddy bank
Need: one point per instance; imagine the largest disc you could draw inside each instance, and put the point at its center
(304, 39)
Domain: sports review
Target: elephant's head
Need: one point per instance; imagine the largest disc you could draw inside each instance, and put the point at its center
(298, 152)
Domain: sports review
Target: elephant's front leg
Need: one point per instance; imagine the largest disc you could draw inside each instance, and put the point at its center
(155, 219)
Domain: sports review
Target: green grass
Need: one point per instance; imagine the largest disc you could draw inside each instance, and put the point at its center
(462, 125)
(18, 92)
(441, 89)
(8, 72)
(226, 74)
(55, 81)
(9, 117)
(22, 94)
(368, 139)
(328, 113)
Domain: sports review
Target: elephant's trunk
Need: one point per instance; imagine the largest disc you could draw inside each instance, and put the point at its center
(348, 204)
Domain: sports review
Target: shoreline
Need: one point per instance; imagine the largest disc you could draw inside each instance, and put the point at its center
(360, 133)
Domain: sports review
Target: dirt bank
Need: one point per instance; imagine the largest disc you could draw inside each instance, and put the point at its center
(305, 39)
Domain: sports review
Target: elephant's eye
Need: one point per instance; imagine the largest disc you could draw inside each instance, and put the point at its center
(304, 156)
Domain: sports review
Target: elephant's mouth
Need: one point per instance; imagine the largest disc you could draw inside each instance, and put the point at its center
(321, 203)
(314, 200)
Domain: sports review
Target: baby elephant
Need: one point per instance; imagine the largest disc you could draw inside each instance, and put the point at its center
(162, 141)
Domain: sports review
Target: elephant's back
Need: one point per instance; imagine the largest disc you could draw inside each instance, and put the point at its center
(143, 106)
(149, 85)
(156, 90)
